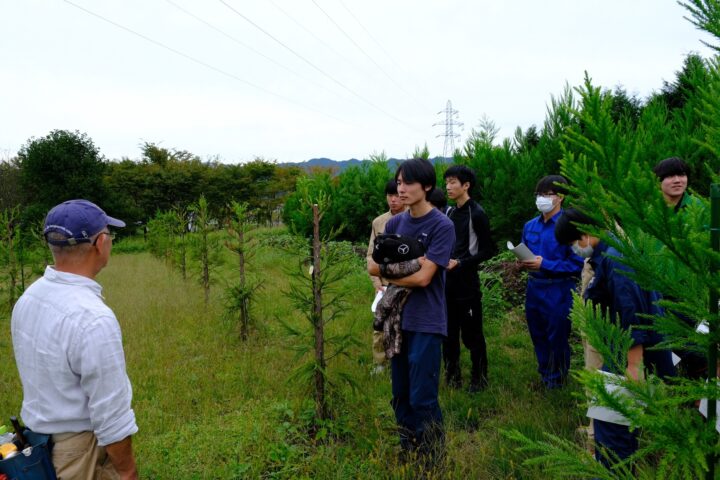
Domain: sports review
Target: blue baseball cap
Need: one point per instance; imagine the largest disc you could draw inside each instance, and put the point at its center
(77, 221)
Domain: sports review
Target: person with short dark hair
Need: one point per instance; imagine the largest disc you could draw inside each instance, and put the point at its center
(438, 200)
(69, 352)
(473, 244)
(416, 369)
(553, 275)
(673, 174)
(628, 305)
(395, 206)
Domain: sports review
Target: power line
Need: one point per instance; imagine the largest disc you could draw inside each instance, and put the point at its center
(368, 102)
(367, 32)
(240, 42)
(379, 67)
(204, 64)
(307, 30)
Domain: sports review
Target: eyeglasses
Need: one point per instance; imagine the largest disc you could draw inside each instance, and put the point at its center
(109, 234)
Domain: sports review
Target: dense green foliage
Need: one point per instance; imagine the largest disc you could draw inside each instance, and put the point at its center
(60, 166)
(65, 165)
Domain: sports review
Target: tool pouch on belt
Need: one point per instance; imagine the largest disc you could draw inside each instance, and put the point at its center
(34, 463)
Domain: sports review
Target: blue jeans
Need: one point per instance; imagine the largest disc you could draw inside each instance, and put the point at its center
(415, 379)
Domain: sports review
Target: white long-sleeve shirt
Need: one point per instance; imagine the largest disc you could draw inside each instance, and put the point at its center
(69, 353)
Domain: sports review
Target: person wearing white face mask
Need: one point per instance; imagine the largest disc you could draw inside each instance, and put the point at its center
(627, 305)
(553, 274)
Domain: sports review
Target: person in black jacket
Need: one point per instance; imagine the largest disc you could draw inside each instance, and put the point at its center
(473, 245)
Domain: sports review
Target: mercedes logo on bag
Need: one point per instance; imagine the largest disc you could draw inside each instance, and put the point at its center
(393, 248)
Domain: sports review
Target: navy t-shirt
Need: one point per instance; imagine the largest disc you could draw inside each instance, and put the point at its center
(425, 310)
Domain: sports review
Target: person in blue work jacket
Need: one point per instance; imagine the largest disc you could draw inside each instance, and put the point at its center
(627, 304)
(553, 274)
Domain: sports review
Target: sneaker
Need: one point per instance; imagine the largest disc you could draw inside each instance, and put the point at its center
(377, 370)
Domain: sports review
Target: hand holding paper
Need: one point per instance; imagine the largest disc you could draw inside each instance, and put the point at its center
(522, 252)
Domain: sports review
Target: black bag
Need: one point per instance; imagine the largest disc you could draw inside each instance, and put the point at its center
(35, 466)
(393, 248)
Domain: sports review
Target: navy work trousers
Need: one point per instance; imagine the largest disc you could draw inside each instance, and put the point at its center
(547, 309)
(415, 378)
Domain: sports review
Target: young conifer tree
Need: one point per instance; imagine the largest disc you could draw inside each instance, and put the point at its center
(315, 294)
(205, 245)
(238, 296)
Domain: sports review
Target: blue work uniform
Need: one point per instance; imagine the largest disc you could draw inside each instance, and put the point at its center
(549, 299)
(625, 302)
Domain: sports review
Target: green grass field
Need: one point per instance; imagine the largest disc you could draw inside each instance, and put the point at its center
(210, 406)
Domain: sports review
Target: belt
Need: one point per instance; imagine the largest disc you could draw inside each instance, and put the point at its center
(553, 280)
(59, 437)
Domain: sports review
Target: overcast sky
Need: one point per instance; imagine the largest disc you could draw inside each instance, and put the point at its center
(328, 78)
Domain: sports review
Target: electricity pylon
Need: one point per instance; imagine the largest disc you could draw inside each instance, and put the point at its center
(451, 120)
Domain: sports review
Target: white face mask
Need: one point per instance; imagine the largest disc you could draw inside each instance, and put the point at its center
(584, 252)
(544, 204)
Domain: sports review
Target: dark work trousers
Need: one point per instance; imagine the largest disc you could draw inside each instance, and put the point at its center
(465, 320)
(415, 378)
(618, 439)
(547, 309)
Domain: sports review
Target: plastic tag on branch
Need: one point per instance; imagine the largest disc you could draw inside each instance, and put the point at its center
(703, 410)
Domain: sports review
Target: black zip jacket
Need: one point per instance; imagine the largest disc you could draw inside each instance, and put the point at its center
(473, 245)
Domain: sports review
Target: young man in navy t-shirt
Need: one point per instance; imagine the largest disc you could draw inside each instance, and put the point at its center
(416, 369)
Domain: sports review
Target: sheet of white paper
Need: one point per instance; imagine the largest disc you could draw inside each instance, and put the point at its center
(522, 252)
(703, 410)
(378, 296)
(604, 413)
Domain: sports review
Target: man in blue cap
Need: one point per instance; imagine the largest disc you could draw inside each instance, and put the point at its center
(69, 353)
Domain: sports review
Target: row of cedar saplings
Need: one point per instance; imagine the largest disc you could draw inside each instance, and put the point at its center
(191, 240)
(176, 195)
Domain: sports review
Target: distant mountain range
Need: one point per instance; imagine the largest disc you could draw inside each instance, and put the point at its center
(340, 165)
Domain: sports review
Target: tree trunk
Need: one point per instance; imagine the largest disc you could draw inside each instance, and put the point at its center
(12, 262)
(320, 404)
(713, 308)
(244, 311)
(205, 267)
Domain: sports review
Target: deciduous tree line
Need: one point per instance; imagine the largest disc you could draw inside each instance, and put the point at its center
(63, 165)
